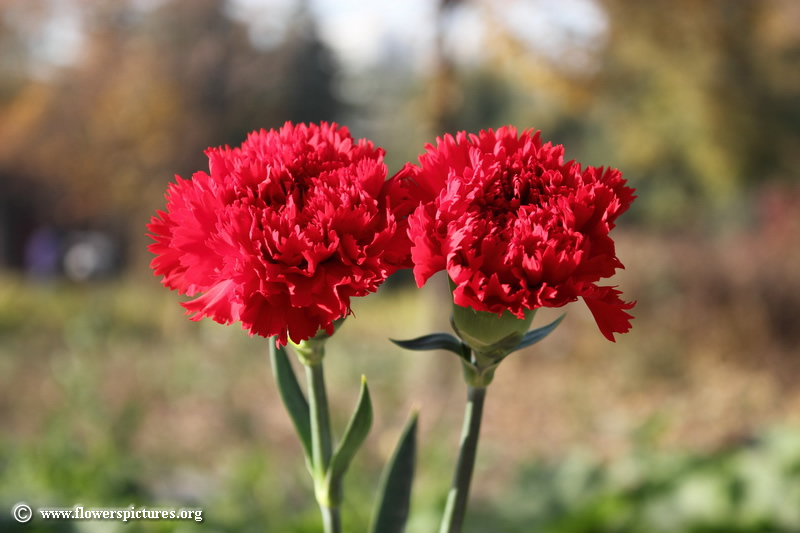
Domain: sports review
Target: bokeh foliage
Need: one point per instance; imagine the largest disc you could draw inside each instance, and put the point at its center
(120, 401)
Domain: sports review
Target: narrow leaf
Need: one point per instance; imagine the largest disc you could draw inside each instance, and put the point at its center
(535, 335)
(291, 395)
(394, 498)
(434, 341)
(353, 438)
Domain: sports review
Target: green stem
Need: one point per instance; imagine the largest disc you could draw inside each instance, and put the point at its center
(321, 443)
(456, 506)
(330, 519)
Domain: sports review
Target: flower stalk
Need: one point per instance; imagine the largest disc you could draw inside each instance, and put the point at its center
(484, 341)
(311, 354)
(311, 418)
(456, 507)
(321, 440)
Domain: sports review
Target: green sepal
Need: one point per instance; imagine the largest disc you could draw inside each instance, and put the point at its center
(354, 435)
(535, 335)
(291, 395)
(434, 341)
(479, 376)
(394, 497)
(486, 333)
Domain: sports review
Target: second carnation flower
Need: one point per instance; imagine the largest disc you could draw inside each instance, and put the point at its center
(516, 227)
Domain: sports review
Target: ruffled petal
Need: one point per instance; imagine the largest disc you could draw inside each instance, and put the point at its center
(515, 226)
(284, 229)
(608, 310)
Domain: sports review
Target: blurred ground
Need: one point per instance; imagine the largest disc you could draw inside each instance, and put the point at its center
(109, 393)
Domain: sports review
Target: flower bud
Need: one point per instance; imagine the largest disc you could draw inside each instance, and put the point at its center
(489, 335)
(311, 351)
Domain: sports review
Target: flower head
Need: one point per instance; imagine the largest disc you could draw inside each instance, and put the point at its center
(515, 227)
(283, 230)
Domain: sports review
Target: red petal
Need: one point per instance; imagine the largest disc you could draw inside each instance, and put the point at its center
(609, 311)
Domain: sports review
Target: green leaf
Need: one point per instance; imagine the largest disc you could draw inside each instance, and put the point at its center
(291, 395)
(353, 438)
(394, 498)
(535, 335)
(434, 341)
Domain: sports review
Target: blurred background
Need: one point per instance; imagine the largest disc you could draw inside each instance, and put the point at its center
(109, 396)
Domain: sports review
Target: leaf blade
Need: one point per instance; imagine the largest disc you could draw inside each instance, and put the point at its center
(291, 395)
(434, 341)
(535, 335)
(394, 496)
(354, 435)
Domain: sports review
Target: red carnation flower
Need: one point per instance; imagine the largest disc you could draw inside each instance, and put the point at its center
(283, 231)
(516, 227)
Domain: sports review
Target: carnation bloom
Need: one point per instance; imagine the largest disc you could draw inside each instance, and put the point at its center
(515, 227)
(283, 231)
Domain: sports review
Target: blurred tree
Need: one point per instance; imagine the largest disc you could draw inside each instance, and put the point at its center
(12, 60)
(696, 101)
(311, 74)
(690, 92)
(151, 89)
(445, 103)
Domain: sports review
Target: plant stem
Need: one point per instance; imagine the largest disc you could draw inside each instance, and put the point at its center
(321, 443)
(330, 519)
(459, 490)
